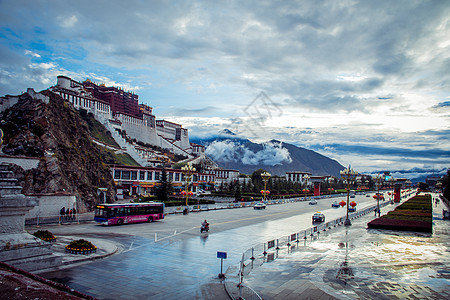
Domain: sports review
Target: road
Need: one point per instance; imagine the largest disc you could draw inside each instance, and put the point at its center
(170, 259)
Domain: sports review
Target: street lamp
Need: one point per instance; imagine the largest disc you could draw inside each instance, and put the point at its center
(188, 171)
(378, 183)
(265, 178)
(349, 176)
(306, 178)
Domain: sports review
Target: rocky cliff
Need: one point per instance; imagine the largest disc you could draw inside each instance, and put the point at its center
(54, 132)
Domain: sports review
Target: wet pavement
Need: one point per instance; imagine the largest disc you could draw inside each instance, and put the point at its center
(153, 262)
(356, 263)
(183, 265)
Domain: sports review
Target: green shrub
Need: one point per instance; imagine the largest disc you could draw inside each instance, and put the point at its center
(44, 235)
(418, 208)
(80, 245)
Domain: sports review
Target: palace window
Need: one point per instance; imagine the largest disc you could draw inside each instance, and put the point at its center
(126, 175)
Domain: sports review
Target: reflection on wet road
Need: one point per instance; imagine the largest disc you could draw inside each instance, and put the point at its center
(182, 259)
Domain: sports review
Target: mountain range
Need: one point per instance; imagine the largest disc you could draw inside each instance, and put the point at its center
(233, 152)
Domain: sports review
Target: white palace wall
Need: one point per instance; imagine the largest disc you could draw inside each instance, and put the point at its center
(168, 137)
(138, 129)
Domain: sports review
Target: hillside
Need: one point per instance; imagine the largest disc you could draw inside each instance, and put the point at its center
(56, 133)
(233, 152)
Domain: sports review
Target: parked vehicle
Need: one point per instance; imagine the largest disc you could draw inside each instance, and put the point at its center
(312, 202)
(202, 192)
(318, 217)
(259, 205)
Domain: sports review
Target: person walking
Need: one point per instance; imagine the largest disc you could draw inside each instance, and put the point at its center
(62, 212)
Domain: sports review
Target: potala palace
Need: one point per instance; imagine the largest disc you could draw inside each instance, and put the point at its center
(118, 109)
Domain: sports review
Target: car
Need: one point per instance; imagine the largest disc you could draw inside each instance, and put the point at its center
(312, 202)
(335, 204)
(318, 217)
(259, 205)
(351, 209)
(203, 192)
(367, 195)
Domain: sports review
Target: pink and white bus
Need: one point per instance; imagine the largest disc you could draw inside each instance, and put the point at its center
(111, 214)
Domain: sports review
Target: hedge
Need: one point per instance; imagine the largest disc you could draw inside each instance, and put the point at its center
(413, 215)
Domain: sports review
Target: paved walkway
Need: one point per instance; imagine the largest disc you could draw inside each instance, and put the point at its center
(356, 263)
(19, 284)
(104, 249)
(383, 265)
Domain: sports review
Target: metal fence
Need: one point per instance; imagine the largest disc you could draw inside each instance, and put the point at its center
(231, 205)
(268, 251)
(59, 219)
(241, 291)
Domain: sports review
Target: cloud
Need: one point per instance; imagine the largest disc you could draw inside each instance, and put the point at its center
(391, 151)
(68, 22)
(207, 110)
(222, 151)
(31, 53)
(353, 71)
(442, 105)
(228, 151)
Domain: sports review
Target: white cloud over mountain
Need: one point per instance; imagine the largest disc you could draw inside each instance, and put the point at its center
(272, 154)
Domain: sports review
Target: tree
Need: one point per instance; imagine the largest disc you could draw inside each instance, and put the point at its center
(237, 193)
(257, 180)
(423, 186)
(164, 188)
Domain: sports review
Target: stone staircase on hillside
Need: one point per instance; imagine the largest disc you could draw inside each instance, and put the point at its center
(122, 142)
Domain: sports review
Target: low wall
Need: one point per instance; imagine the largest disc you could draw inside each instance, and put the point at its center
(26, 163)
(51, 204)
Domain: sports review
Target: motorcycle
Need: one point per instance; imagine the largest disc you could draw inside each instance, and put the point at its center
(205, 228)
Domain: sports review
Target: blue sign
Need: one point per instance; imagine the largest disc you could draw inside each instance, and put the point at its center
(221, 255)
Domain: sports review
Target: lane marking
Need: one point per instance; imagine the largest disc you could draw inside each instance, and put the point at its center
(158, 240)
(256, 217)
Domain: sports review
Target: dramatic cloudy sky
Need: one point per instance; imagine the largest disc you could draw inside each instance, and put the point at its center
(364, 82)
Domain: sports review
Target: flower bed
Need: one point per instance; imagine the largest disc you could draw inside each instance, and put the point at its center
(403, 225)
(413, 215)
(81, 247)
(45, 235)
